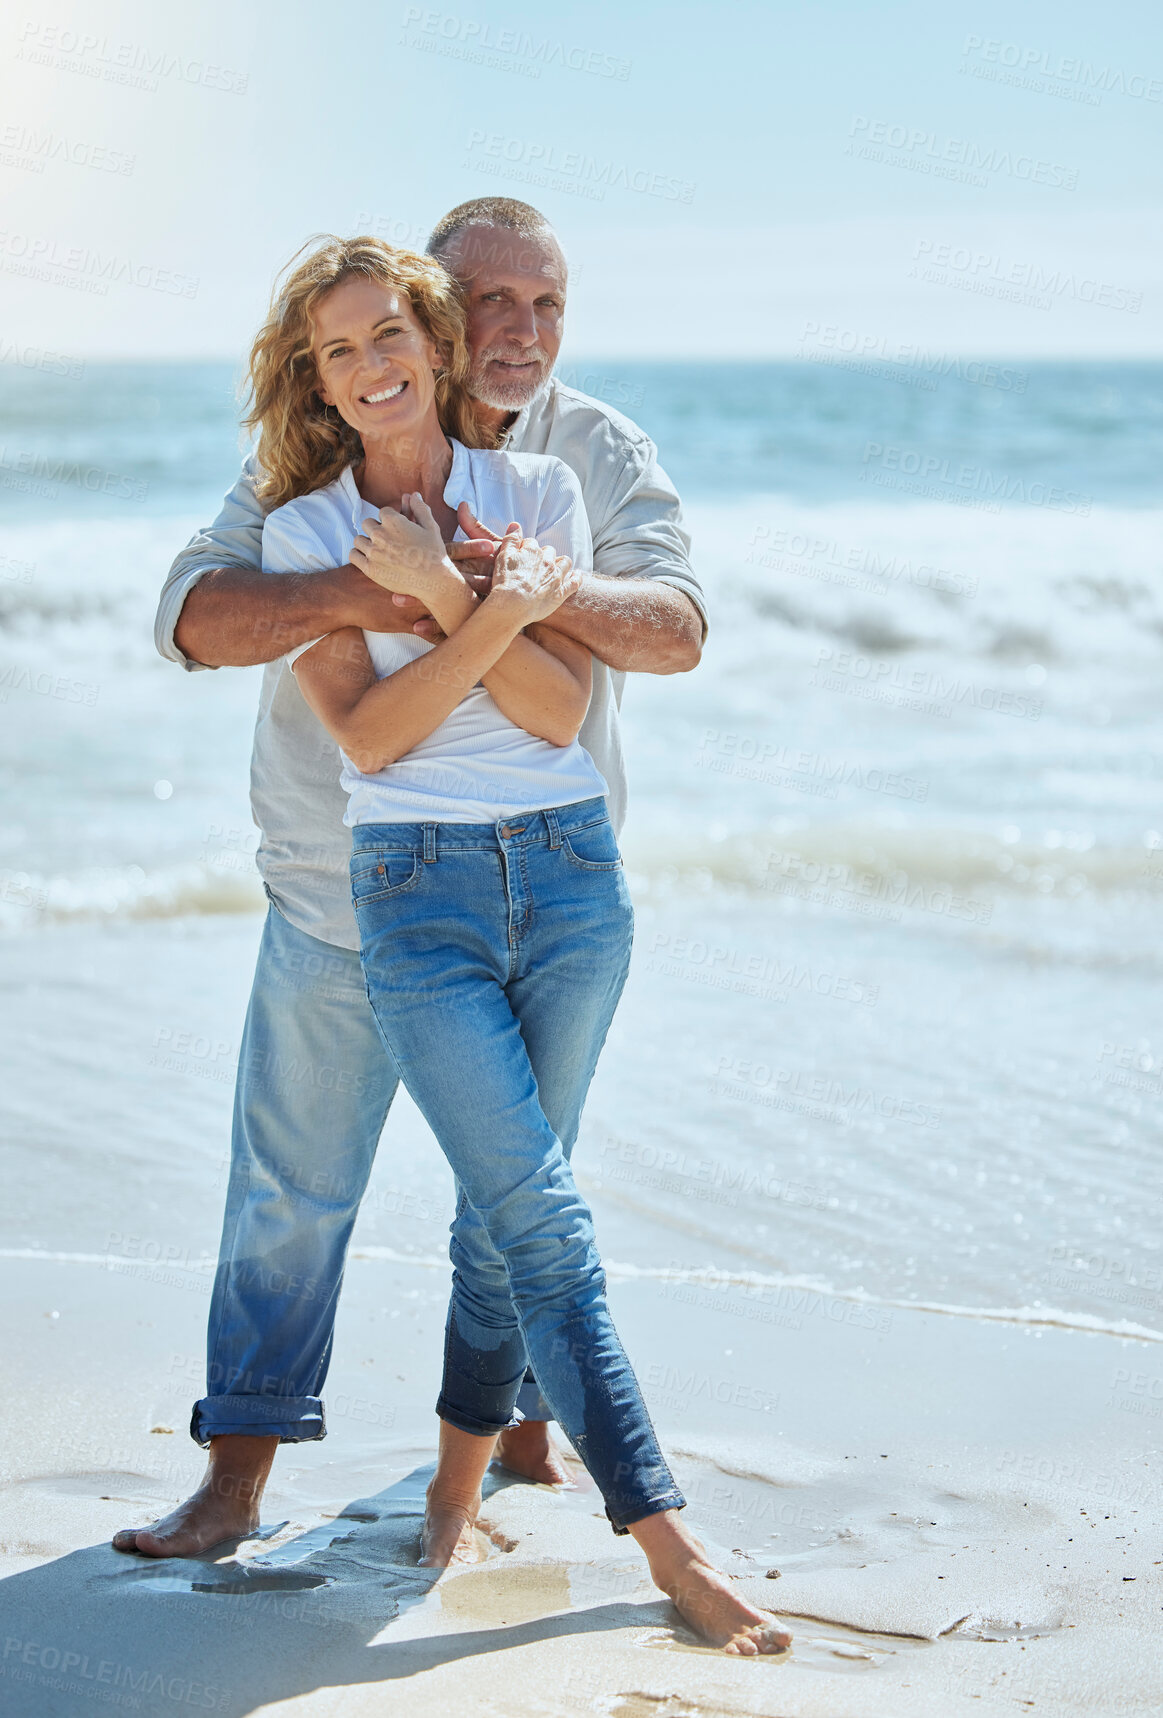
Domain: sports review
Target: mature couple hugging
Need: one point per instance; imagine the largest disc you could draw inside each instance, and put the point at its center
(446, 560)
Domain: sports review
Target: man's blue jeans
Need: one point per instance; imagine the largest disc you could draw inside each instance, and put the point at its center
(313, 1091)
(494, 957)
(314, 1087)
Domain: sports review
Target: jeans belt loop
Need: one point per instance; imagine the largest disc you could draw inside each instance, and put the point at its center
(429, 843)
(554, 830)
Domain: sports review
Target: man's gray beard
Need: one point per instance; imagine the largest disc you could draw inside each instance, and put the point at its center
(503, 396)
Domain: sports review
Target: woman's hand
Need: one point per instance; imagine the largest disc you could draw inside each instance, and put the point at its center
(532, 578)
(404, 551)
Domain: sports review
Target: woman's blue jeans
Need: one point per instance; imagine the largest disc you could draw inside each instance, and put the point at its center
(494, 956)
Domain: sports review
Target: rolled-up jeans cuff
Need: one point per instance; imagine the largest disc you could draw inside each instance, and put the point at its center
(291, 1419)
(623, 1522)
(470, 1423)
(531, 1404)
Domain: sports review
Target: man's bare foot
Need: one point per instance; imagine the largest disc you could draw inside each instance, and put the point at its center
(225, 1505)
(702, 1596)
(527, 1449)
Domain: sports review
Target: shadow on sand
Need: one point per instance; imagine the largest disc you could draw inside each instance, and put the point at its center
(98, 1628)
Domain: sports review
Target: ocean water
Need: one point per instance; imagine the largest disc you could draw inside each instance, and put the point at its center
(894, 1023)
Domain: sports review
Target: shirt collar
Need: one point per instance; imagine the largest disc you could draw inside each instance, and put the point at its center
(359, 507)
(457, 487)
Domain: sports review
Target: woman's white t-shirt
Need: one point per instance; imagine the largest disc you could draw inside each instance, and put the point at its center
(477, 766)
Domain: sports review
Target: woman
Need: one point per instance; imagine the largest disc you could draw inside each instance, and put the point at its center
(493, 914)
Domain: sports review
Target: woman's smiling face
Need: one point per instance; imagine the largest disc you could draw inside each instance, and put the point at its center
(374, 360)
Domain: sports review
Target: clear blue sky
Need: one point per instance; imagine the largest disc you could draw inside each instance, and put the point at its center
(704, 165)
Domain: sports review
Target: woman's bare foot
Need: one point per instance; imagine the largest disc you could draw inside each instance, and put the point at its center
(702, 1596)
(454, 1499)
(449, 1531)
(225, 1505)
(527, 1449)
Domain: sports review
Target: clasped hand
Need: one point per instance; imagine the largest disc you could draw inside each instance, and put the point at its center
(403, 552)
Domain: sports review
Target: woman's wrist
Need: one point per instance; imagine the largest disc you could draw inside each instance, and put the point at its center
(452, 602)
(513, 604)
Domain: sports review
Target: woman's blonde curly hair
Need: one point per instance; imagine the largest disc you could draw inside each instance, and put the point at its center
(304, 444)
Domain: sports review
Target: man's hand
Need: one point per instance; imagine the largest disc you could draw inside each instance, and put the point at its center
(474, 560)
(378, 610)
(476, 557)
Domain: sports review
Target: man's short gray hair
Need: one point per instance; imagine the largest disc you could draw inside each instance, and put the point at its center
(504, 212)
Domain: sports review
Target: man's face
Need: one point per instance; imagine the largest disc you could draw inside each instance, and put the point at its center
(514, 291)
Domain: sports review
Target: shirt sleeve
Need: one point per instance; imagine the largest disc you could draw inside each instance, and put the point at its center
(637, 519)
(233, 540)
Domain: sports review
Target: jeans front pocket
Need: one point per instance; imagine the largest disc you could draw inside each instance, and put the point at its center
(594, 848)
(378, 872)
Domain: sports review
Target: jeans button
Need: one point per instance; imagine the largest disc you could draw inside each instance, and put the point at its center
(505, 831)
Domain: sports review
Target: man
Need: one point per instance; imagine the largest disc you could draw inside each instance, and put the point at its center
(303, 1147)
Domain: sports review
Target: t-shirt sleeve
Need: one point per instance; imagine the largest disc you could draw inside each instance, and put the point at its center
(562, 524)
(291, 545)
